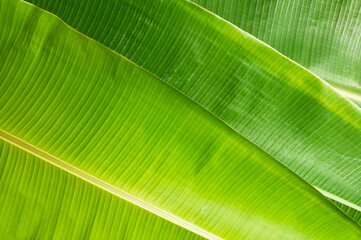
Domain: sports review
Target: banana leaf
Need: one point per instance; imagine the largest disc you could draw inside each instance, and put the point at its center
(41, 201)
(101, 120)
(353, 213)
(323, 36)
(290, 113)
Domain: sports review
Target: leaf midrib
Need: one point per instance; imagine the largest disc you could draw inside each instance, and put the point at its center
(126, 196)
(105, 186)
(346, 92)
(338, 89)
(345, 202)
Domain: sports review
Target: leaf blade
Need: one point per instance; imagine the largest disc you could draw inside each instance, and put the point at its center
(113, 109)
(48, 207)
(278, 105)
(321, 36)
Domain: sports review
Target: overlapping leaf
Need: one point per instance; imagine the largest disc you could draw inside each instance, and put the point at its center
(283, 108)
(323, 36)
(73, 99)
(41, 201)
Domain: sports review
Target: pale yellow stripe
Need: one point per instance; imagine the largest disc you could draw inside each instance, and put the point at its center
(338, 199)
(353, 95)
(106, 186)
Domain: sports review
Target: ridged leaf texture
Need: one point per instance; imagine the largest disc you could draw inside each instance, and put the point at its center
(323, 36)
(286, 110)
(115, 131)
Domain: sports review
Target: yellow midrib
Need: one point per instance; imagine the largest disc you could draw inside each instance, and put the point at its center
(348, 93)
(106, 186)
(353, 95)
(128, 197)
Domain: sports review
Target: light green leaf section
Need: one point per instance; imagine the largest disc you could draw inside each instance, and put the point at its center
(41, 201)
(283, 108)
(73, 99)
(323, 36)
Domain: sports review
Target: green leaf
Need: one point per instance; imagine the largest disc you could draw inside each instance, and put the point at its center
(323, 36)
(87, 110)
(283, 108)
(41, 201)
(353, 213)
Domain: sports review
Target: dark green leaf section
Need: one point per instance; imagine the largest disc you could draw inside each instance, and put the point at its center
(76, 100)
(41, 201)
(323, 36)
(353, 213)
(278, 105)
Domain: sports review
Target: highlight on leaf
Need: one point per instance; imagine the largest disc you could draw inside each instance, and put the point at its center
(125, 119)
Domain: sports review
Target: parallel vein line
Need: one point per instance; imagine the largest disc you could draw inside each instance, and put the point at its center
(106, 186)
(348, 93)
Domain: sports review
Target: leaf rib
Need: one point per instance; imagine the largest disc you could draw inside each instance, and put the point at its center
(338, 199)
(106, 186)
(353, 95)
(288, 119)
(231, 183)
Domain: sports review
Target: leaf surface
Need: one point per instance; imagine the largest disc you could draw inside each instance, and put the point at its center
(323, 36)
(283, 108)
(76, 102)
(42, 201)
